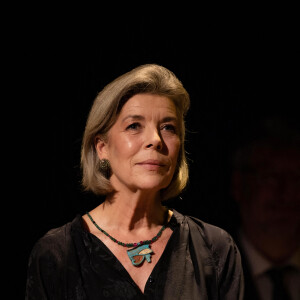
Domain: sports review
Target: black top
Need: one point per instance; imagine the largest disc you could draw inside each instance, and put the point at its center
(200, 261)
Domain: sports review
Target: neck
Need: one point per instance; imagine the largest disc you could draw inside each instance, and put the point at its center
(132, 212)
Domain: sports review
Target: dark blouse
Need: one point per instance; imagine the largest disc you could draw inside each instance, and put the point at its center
(200, 261)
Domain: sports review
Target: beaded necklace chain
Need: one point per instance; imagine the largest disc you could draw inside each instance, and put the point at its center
(140, 250)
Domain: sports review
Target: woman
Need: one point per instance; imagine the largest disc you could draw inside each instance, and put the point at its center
(132, 246)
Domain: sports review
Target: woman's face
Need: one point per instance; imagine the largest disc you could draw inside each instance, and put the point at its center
(143, 144)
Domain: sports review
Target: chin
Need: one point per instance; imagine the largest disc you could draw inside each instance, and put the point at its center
(153, 184)
(142, 182)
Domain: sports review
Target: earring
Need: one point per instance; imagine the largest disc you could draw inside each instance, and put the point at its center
(104, 167)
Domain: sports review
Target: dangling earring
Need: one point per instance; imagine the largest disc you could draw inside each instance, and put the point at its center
(104, 167)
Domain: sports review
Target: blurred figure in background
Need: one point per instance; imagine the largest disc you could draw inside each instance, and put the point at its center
(266, 189)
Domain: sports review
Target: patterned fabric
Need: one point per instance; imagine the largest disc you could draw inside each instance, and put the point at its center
(200, 261)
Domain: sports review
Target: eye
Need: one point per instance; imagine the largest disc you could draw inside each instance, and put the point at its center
(133, 126)
(169, 127)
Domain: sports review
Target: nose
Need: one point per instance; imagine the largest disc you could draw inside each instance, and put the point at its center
(154, 140)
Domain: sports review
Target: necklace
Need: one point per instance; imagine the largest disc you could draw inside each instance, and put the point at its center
(140, 250)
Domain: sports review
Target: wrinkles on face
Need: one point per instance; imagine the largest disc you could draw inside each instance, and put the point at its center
(144, 143)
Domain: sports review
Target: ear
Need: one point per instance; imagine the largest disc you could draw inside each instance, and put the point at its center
(101, 147)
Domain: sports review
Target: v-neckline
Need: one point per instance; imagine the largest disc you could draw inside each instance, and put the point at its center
(120, 267)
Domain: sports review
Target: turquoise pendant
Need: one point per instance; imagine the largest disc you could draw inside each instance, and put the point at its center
(139, 253)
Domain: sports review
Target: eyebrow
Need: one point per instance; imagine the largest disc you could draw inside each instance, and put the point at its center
(169, 119)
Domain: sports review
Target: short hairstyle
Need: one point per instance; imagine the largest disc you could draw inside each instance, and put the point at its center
(148, 78)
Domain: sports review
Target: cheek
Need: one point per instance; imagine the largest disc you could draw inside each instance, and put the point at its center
(173, 145)
(124, 146)
(176, 150)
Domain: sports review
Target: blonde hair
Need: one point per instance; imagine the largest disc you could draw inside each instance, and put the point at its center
(150, 79)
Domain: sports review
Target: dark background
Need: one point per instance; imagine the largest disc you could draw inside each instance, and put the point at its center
(235, 68)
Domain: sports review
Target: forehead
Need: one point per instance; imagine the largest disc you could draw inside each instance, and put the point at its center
(148, 103)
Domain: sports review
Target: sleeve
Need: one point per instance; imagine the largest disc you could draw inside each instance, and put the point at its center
(224, 256)
(227, 259)
(45, 272)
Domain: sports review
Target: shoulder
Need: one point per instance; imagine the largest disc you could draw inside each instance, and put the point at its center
(54, 237)
(223, 251)
(48, 263)
(55, 242)
(211, 234)
(214, 241)
(215, 250)
(215, 236)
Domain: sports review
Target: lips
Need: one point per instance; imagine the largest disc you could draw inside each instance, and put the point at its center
(151, 164)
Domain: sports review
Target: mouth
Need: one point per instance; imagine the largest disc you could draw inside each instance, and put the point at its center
(152, 164)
